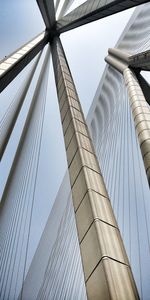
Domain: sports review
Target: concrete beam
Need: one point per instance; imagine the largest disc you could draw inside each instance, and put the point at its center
(48, 12)
(93, 10)
(13, 64)
(140, 61)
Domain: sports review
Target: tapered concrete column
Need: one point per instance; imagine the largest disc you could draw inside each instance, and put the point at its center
(106, 267)
(141, 115)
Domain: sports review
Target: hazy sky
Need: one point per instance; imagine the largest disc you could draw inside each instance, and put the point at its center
(85, 47)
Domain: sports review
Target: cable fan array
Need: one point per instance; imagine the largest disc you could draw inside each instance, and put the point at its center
(19, 193)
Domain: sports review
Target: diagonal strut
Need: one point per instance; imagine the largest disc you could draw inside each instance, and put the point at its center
(93, 10)
(13, 64)
(48, 12)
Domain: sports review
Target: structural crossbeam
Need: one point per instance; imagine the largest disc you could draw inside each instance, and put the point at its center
(13, 64)
(121, 60)
(140, 60)
(48, 12)
(93, 10)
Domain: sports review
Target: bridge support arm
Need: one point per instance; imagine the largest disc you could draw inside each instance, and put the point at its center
(105, 263)
(12, 65)
(93, 10)
(140, 61)
(48, 12)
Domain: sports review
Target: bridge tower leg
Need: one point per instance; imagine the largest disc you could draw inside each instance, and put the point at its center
(105, 264)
